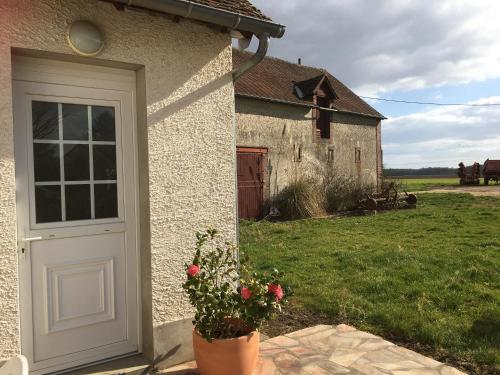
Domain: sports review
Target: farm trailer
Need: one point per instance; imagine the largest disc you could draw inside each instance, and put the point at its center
(491, 171)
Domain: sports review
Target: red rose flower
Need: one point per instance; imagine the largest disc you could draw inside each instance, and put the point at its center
(245, 293)
(193, 270)
(276, 290)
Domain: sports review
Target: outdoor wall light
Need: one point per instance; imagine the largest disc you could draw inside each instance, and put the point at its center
(85, 38)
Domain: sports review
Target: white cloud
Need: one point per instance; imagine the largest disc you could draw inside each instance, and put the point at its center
(385, 45)
(443, 136)
(377, 47)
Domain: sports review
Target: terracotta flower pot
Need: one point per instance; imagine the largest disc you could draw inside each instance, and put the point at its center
(236, 356)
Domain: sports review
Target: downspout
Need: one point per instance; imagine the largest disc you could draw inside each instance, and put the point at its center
(263, 29)
(237, 73)
(255, 59)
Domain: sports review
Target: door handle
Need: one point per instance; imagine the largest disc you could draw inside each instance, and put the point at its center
(23, 246)
(29, 239)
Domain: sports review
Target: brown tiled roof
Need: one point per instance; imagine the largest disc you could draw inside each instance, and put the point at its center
(274, 79)
(243, 7)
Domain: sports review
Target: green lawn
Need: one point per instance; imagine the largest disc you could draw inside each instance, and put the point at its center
(419, 184)
(428, 276)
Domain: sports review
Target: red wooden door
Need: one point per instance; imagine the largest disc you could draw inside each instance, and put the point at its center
(250, 183)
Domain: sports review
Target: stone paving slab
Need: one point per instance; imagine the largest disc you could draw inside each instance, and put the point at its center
(341, 349)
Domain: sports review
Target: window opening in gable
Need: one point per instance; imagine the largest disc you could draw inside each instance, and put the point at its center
(322, 118)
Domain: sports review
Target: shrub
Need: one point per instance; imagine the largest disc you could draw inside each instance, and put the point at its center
(344, 193)
(301, 199)
(307, 197)
(223, 309)
(392, 182)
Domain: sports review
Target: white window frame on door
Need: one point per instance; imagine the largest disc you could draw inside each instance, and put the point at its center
(105, 87)
(119, 161)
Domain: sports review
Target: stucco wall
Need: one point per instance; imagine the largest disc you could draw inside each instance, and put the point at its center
(282, 128)
(9, 318)
(187, 113)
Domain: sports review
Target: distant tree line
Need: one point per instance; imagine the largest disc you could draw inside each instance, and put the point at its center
(429, 171)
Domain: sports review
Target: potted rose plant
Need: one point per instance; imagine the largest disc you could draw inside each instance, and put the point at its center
(231, 303)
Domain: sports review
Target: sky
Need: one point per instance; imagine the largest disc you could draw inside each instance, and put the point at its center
(445, 51)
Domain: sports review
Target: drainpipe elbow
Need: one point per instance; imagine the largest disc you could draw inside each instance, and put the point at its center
(256, 58)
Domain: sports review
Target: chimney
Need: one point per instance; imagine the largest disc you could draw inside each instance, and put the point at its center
(300, 61)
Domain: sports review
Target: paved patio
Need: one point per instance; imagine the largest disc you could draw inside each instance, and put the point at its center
(341, 349)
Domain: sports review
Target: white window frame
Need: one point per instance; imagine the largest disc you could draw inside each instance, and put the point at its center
(31, 172)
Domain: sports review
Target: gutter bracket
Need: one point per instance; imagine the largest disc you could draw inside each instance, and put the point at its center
(190, 9)
(256, 58)
(236, 23)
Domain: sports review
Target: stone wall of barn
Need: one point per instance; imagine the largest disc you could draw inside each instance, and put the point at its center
(293, 150)
(185, 111)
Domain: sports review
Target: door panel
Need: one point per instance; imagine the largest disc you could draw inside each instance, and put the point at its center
(250, 184)
(77, 226)
(82, 294)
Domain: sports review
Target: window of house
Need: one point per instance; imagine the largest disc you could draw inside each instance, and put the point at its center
(297, 153)
(322, 118)
(75, 162)
(357, 155)
(331, 155)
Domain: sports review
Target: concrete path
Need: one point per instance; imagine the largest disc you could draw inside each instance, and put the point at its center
(341, 349)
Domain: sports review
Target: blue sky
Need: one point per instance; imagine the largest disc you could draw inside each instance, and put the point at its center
(445, 51)
(450, 93)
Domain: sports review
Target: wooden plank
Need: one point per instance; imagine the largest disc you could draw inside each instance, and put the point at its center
(250, 184)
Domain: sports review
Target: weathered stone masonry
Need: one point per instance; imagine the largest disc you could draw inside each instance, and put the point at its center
(286, 128)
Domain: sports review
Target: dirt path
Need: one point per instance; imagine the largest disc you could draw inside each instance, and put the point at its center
(492, 190)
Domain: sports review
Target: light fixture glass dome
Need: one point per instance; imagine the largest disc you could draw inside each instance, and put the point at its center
(85, 38)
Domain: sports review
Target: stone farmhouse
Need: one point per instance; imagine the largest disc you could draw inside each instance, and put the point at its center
(295, 121)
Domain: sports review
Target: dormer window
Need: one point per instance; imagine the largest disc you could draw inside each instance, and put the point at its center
(298, 92)
(318, 90)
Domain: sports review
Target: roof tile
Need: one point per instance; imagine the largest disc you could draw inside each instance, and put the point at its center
(243, 7)
(274, 79)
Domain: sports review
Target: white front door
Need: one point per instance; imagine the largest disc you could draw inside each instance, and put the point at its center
(76, 203)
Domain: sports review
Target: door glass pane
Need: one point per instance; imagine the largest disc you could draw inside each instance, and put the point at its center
(77, 202)
(88, 161)
(75, 122)
(104, 162)
(48, 203)
(103, 123)
(105, 201)
(46, 162)
(76, 162)
(45, 120)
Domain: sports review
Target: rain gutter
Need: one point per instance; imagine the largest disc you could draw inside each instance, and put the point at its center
(264, 30)
(281, 101)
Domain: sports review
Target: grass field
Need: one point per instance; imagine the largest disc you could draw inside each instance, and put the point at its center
(420, 184)
(428, 276)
